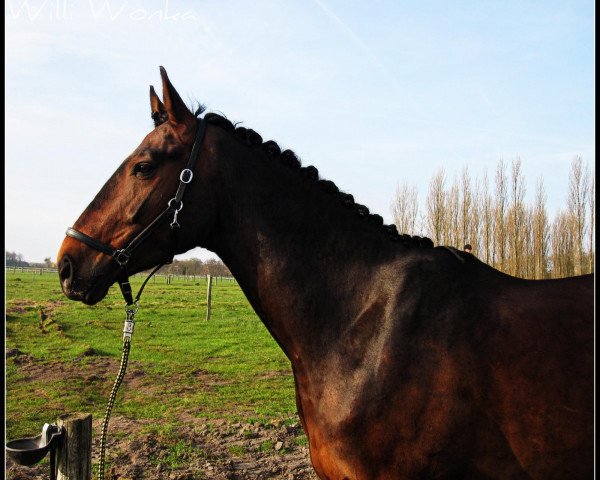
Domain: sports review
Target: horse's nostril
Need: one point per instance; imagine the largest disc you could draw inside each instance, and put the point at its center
(65, 271)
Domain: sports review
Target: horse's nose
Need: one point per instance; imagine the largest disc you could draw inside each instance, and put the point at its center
(65, 273)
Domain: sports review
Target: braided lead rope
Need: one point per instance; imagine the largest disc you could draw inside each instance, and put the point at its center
(111, 402)
(127, 333)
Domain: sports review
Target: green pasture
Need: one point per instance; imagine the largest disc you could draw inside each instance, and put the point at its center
(228, 367)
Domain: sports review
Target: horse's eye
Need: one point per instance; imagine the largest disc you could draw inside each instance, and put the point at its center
(143, 169)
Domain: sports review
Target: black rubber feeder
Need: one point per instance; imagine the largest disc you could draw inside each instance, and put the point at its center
(32, 450)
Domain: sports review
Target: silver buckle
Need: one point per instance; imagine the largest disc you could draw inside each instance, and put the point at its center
(180, 204)
(188, 172)
(121, 257)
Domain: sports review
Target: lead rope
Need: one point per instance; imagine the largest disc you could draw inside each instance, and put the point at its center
(130, 311)
(113, 394)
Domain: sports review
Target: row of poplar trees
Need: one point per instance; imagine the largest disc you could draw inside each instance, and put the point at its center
(507, 233)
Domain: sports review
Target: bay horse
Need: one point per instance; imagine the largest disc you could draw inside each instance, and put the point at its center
(409, 361)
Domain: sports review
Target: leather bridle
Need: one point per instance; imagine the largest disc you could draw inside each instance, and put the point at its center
(174, 206)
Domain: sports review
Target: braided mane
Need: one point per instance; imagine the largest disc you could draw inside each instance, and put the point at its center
(289, 158)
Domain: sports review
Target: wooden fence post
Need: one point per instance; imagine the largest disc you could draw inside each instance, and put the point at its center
(74, 454)
(208, 296)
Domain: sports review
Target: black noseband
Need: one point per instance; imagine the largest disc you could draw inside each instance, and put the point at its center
(119, 255)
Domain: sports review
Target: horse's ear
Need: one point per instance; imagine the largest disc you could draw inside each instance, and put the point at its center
(159, 112)
(177, 112)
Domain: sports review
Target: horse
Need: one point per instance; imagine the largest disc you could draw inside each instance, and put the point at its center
(410, 361)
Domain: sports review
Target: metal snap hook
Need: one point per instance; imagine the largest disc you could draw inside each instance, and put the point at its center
(130, 320)
(175, 223)
(132, 308)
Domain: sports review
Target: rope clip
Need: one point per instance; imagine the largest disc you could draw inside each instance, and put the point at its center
(129, 320)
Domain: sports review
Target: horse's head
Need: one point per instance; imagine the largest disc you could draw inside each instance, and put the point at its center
(134, 197)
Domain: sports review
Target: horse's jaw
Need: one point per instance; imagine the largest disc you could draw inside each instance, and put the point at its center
(95, 295)
(89, 293)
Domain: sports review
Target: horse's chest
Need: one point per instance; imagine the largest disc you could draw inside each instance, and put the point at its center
(360, 429)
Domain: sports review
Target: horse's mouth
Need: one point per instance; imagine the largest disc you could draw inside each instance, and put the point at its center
(91, 295)
(98, 290)
(94, 295)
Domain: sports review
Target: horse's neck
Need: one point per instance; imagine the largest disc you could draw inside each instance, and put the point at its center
(300, 257)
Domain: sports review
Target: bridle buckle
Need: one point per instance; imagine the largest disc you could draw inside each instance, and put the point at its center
(186, 175)
(121, 257)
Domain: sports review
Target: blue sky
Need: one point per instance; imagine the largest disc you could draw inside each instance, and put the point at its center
(371, 93)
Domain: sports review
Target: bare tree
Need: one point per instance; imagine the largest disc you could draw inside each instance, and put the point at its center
(405, 208)
(452, 223)
(486, 217)
(517, 223)
(474, 235)
(500, 233)
(540, 231)
(510, 235)
(469, 211)
(527, 258)
(466, 208)
(562, 246)
(591, 229)
(436, 207)
(577, 202)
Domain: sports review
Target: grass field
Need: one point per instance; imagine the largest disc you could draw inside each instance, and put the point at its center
(226, 368)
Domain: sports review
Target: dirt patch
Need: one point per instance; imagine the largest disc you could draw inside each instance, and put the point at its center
(200, 449)
(101, 368)
(211, 449)
(20, 306)
(195, 448)
(98, 369)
